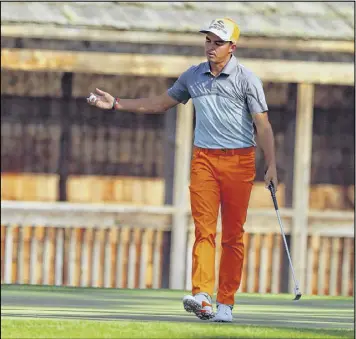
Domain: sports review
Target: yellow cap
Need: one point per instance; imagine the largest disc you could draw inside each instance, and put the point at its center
(226, 29)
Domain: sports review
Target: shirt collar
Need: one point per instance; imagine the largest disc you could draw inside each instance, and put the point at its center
(228, 69)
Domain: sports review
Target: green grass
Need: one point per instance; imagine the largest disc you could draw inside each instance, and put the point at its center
(148, 292)
(72, 312)
(30, 328)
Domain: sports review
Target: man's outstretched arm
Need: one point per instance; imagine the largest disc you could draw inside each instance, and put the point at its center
(154, 104)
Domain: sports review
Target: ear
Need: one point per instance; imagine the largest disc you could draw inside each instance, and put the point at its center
(232, 48)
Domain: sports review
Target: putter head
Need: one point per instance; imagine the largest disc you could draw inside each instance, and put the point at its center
(298, 296)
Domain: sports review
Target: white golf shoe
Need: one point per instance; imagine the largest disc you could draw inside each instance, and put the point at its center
(200, 305)
(224, 314)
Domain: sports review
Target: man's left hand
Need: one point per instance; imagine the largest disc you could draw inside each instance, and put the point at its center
(271, 175)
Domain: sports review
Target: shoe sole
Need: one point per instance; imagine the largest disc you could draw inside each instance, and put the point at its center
(222, 321)
(191, 306)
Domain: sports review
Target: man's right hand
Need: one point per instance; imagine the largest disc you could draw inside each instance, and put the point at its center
(101, 99)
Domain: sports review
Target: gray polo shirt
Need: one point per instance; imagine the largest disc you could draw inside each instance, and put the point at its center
(223, 105)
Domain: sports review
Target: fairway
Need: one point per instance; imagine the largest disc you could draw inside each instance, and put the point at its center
(121, 313)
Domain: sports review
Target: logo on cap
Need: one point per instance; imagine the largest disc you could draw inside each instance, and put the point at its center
(219, 25)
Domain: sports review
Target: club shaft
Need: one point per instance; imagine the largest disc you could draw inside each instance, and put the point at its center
(287, 250)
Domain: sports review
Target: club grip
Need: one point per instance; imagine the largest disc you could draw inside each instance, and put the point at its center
(273, 194)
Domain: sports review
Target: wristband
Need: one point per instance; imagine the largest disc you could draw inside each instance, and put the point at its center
(116, 100)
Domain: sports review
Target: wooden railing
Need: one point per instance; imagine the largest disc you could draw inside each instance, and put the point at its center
(122, 246)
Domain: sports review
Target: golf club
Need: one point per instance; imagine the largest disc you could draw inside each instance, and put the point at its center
(271, 188)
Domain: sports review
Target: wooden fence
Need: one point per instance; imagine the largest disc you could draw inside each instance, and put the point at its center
(122, 246)
(146, 191)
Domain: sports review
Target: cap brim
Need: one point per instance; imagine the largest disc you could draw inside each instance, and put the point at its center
(205, 31)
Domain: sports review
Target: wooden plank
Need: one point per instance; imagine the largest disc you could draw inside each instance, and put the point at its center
(33, 256)
(322, 266)
(157, 251)
(331, 228)
(32, 187)
(42, 31)
(59, 257)
(138, 247)
(153, 192)
(161, 65)
(95, 276)
(3, 232)
(302, 166)
(119, 256)
(269, 240)
(122, 258)
(132, 258)
(251, 263)
(334, 266)
(72, 257)
(277, 262)
(79, 232)
(184, 135)
(261, 198)
(63, 214)
(307, 288)
(315, 246)
(266, 222)
(329, 196)
(109, 189)
(262, 281)
(51, 254)
(327, 265)
(113, 247)
(346, 266)
(46, 257)
(257, 254)
(351, 258)
(66, 255)
(339, 267)
(352, 269)
(8, 255)
(101, 272)
(125, 260)
(20, 256)
(27, 253)
(90, 249)
(86, 258)
(14, 261)
(143, 259)
(149, 272)
(107, 259)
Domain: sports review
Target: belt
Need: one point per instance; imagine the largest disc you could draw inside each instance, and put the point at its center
(226, 151)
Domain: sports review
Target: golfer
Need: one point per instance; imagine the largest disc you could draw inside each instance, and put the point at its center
(229, 100)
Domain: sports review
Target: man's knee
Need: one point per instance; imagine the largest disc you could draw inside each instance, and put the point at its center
(232, 239)
(202, 234)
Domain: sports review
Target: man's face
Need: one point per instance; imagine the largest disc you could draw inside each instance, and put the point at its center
(217, 50)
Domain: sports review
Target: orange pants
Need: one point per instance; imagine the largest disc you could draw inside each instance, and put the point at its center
(220, 177)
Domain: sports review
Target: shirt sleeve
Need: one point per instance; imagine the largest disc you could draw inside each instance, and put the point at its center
(179, 91)
(256, 99)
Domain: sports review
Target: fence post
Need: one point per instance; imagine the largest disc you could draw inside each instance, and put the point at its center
(181, 180)
(63, 161)
(302, 167)
(169, 165)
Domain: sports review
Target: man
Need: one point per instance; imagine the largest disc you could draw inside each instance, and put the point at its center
(228, 100)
